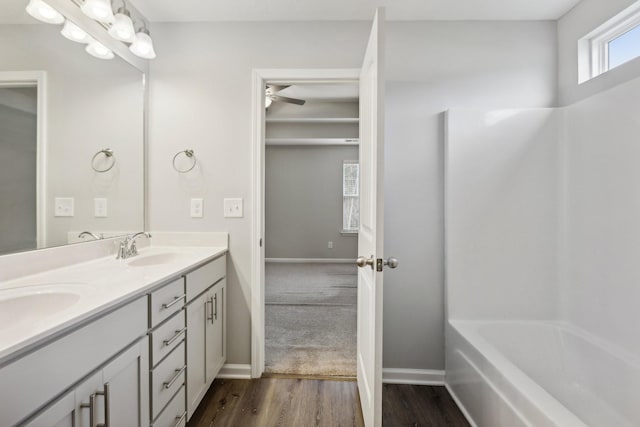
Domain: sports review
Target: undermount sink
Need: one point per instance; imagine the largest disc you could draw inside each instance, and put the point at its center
(22, 305)
(154, 259)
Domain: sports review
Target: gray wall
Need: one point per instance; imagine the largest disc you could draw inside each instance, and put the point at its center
(18, 131)
(201, 96)
(304, 202)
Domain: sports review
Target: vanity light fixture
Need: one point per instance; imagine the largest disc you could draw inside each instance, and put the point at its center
(100, 10)
(43, 12)
(97, 49)
(122, 27)
(75, 33)
(143, 45)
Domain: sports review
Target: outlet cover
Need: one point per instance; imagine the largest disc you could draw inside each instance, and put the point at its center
(63, 206)
(197, 208)
(233, 208)
(100, 207)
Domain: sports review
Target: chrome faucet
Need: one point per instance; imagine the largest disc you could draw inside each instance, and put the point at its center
(88, 233)
(128, 245)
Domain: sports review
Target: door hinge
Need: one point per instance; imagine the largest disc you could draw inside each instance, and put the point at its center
(379, 264)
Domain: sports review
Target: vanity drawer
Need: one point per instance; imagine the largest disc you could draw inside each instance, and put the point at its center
(167, 336)
(166, 379)
(166, 301)
(175, 414)
(205, 276)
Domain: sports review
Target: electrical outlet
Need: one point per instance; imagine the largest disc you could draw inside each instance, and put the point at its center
(233, 208)
(100, 207)
(197, 208)
(63, 206)
(330, 245)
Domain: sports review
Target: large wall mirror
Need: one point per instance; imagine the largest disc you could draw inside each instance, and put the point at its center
(71, 138)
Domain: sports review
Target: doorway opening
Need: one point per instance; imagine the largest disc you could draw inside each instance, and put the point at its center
(311, 223)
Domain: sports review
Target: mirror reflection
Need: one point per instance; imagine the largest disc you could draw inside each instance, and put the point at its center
(71, 138)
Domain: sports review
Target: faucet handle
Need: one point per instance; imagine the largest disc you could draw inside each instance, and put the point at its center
(133, 249)
(122, 250)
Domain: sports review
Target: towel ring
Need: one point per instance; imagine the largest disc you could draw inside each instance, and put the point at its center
(108, 153)
(189, 154)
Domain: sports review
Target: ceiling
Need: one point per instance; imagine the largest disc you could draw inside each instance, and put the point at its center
(12, 11)
(343, 10)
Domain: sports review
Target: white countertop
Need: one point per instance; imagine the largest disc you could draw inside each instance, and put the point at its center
(85, 289)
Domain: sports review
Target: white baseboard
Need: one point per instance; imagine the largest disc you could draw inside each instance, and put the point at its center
(313, 260)
(412, 376)
(460, 406)
(233, 371)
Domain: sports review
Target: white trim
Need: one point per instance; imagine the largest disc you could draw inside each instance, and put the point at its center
(234, 371)
(460, 405)
(312, 260)
(39, 79)
(314, 141)
(259, 80)
(413, 376)
(348, 120)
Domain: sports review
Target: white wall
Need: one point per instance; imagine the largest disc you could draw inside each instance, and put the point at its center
(201, 99)
(433, 66)
(503, 198)
(91, 104)
(577, 23)
(601, 290)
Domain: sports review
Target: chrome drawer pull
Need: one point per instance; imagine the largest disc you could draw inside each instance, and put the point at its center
(180, 419)
(169, 383)
(174, 302)
(175, 337)
(216, 312)
(209, 301)
(107, 411)
(92, 409)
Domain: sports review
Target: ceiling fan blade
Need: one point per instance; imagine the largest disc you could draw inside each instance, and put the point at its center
(279, 98)
(277, 88)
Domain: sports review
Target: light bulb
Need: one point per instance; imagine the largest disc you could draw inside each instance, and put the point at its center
(75, 33)
(143, 45)
(122, 28)
(267, 101)
(98, 50)
(100, 10)
(43, 12)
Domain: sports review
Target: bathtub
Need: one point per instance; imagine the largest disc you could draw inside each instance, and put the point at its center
(528, 373)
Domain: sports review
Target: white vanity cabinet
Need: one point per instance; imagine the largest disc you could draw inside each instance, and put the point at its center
(206, 324)
(106, 358)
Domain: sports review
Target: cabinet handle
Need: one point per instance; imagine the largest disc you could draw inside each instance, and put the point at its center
(175, 337)
(215, 297)
(92, 409)
(180, 419)
(169, 383)
(210, 317)
(174, 302)
(105, 393)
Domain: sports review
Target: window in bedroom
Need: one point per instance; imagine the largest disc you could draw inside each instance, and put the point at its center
(350, 196)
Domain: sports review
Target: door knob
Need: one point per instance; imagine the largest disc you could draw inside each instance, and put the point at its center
(391, 262)
(363, 261)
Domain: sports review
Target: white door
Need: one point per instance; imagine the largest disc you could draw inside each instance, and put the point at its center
(370, 237)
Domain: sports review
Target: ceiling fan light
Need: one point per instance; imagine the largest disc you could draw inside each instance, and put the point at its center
(267, 101)
(143, 45)
(75, 33)
(98, 50)
(122, 27)
(100, 10)
(43, 12)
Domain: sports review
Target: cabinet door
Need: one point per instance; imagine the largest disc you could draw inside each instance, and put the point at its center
(215, 337)
(126, 388)
(60, 414)
(197, 311)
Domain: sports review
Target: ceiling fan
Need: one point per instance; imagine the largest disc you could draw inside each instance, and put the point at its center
(271, 95)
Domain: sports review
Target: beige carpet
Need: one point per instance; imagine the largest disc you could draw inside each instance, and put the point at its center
(310, 318)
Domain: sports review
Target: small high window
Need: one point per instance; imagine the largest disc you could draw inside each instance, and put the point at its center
(350, 196)
(614, 43)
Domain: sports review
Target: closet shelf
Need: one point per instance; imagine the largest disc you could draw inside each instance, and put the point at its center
(313, 141)
(312, 120)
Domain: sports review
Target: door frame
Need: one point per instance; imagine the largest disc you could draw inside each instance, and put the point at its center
(38, 79)
(260, 78)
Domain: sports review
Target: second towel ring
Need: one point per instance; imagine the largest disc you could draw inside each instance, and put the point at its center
(189, 154)
(108, 153)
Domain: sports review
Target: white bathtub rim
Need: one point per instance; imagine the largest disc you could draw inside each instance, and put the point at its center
(541, 400)
(461, 406)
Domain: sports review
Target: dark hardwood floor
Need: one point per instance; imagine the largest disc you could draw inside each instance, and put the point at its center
(285, 402)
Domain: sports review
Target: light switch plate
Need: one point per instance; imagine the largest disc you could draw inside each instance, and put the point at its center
(197, 208)
(233, 208)
(100, 207)
(63, 206)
